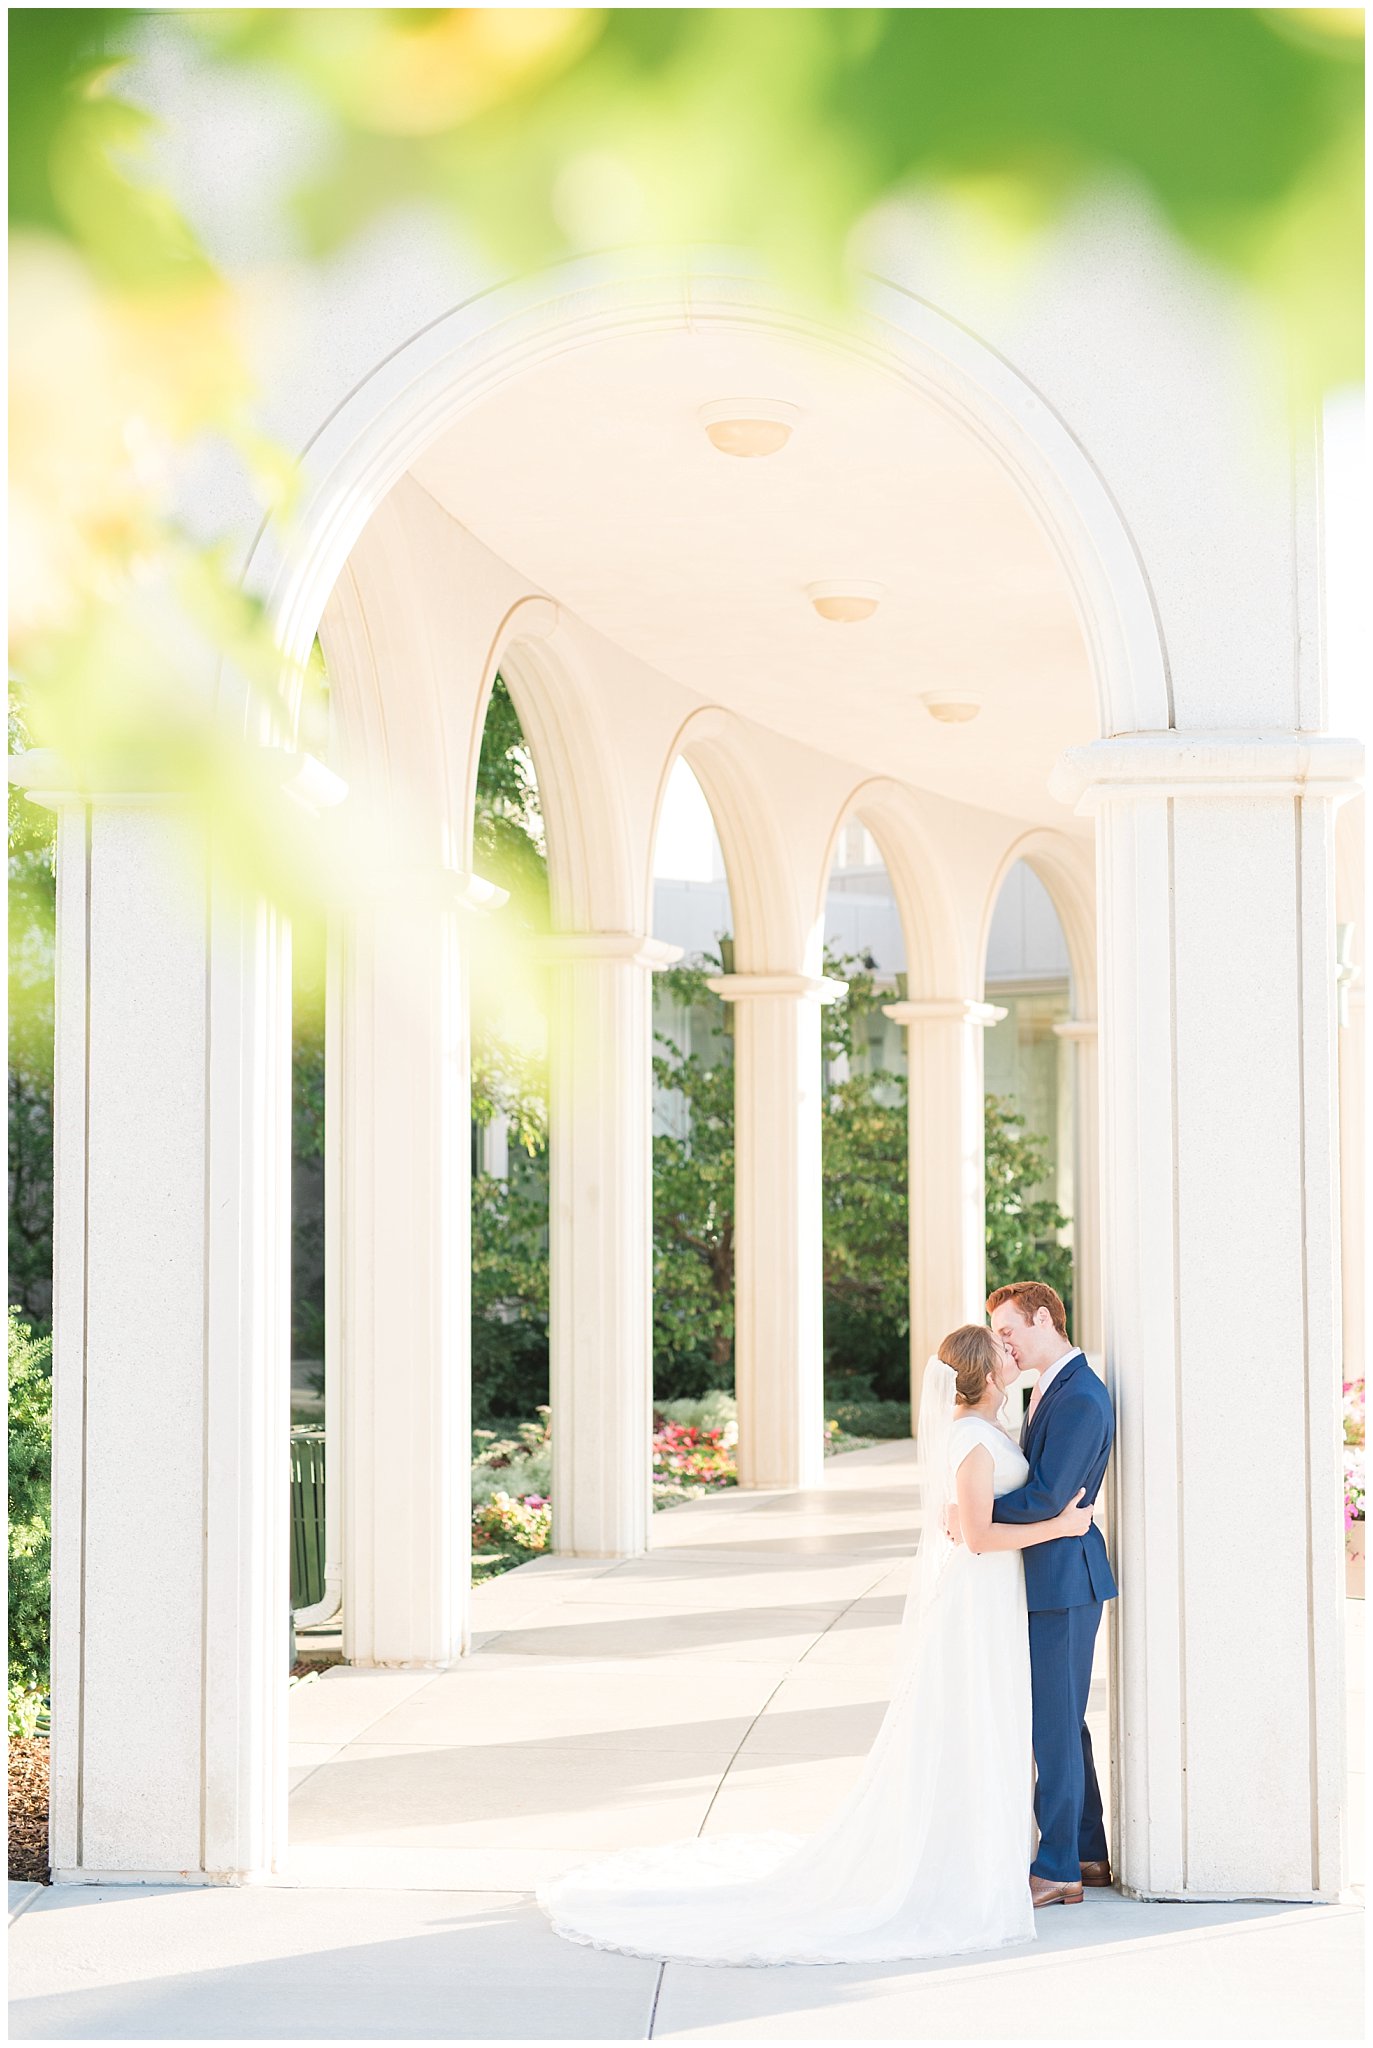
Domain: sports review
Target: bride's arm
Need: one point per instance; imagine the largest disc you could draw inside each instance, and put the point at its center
(1069, 1447)
(974, 1486)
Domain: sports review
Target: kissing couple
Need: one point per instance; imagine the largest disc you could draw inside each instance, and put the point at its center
(986, 1733)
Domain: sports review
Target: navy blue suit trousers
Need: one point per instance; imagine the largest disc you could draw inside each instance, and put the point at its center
(1067, 1796)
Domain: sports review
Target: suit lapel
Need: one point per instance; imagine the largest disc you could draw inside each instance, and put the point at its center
(1065, 1373)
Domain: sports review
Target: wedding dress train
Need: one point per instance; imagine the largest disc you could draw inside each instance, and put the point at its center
(929, 1855)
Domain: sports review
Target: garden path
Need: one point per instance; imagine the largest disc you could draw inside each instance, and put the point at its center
(731, 1679)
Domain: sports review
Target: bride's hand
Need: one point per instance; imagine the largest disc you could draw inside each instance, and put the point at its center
(1074, 1520)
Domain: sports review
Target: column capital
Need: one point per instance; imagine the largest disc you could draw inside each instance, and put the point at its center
(1076, 1028)
(820, 988)
(47, 779)
(944, 1010)
(1245, 764)
(590, 949)
(431, 884)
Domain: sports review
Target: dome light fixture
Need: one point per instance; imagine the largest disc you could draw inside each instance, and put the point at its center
(749, 426)
(846, 602)
(949, 708)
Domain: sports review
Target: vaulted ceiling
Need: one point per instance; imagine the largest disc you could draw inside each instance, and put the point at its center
(594, 477)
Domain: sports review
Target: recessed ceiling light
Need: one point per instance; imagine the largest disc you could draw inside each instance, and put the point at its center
(949, 709)
(844, 602)
(749, 426)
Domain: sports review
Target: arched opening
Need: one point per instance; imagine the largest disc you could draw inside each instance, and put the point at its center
(588, 836)
(511, 1454)
(865, 1145)
(1042, 1076)
(695, 1415)
(1029, 1087)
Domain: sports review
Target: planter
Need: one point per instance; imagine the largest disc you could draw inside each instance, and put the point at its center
(1353, 1560)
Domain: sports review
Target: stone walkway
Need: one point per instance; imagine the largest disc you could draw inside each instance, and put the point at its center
(732, 1679)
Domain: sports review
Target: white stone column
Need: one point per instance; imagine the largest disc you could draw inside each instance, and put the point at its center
(170, 1582)
(947, 1177)
(778, 1225)
(1221, 1285)
(600, 1224)
(401, 1250)
(1080, 1038)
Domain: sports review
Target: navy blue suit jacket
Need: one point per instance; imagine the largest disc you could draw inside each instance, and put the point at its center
(1067, 1444)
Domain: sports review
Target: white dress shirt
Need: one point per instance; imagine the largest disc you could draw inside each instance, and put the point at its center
(1041, 1386)
(1046, 1377)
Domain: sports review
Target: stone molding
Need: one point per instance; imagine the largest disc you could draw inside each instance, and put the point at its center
(451, 888)
(1076, 1028)
(47, 779)
(594, 949)
(735, 988)
(945, 1010)
(1163, 764)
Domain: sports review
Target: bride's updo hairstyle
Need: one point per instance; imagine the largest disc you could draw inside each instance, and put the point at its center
(971, 1355)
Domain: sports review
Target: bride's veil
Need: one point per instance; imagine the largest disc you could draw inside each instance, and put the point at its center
(934, 1550)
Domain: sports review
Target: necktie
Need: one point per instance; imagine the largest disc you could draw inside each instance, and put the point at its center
(1035, 1392)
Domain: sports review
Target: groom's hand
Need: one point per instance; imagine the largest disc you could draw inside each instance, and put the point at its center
(952, 1527)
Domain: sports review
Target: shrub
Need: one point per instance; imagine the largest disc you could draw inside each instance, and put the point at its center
(30, 1549)
(1023, 1229)
(871, 1417)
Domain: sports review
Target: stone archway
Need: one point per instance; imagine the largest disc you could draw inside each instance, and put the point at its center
(1214, 852)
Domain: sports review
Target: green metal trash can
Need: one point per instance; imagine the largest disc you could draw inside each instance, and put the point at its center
(307, 1517)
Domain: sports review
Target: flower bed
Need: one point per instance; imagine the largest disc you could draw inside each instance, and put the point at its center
(1353, 1452)
(693, 1454)
(1354, 1511)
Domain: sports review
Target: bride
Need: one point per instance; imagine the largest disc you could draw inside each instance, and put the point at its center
(930, 1853)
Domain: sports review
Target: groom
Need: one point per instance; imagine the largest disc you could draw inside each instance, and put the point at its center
(1067, 1440)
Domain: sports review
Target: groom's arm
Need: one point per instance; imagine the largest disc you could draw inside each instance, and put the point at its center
(1071, 1441)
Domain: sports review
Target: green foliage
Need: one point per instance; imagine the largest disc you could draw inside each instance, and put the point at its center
(32, 921)
(509, 1080)
(864, 1163)
(1022, 1228)
(1240, 126)
(508, 836)
(867, 1261)
(510, 1290)
(693, 1204)
(30, 1504)
(509, 1063)
(864, 1143)
(307, 1137)
(864, 1415)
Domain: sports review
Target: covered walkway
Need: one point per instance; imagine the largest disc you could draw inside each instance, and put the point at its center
(731, 1679)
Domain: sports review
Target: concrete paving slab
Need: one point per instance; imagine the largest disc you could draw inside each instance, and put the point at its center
(21, 1896)
(159, 1964)
(838, 1728)
(389, 1794)
(770, 1635)
(338, 1705)
(1113, 1970)
(520, 1867)
(794, 1793)
(636, 1704)
(304, 1758)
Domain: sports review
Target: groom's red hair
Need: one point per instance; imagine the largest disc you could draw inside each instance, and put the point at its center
(1029, 1296)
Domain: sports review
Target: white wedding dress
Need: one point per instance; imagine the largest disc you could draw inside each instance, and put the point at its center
(930, 1853)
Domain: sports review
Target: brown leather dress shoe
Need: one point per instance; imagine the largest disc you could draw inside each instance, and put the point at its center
(1097, 1875)
(1054, 1891)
